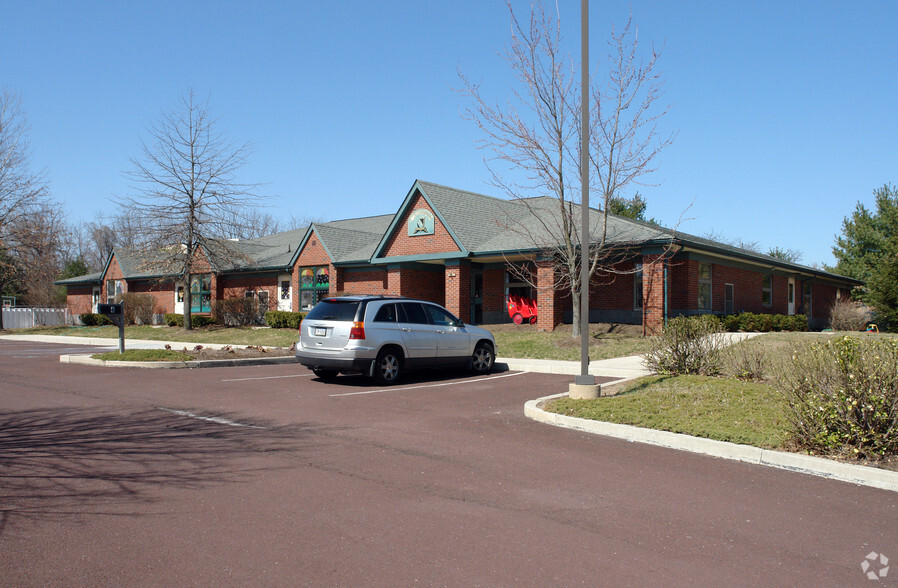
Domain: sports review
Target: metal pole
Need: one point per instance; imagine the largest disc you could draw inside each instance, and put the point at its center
(584, 377)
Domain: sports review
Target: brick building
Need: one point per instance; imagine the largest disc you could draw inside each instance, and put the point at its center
(460, 249)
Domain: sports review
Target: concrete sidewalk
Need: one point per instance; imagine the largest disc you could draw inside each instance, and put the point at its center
(624, 368)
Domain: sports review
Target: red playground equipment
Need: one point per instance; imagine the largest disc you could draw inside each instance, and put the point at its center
(522, 309)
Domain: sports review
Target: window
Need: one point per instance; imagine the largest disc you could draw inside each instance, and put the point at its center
(201, 293)
(262, 295)
(440, 317)
(386, 314)
(704, 286)
(414, 313)
(285, 289)
(114, 291)
(637, 287)
(767, 290)
(314, 284)
(806, 299)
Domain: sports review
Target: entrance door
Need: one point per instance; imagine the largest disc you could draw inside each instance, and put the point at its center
(179, 299)
(285, 293)
(476, 297)
(729, 299)
(95, 299)
(791, 295)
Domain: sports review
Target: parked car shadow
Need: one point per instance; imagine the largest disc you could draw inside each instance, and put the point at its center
(412, 377)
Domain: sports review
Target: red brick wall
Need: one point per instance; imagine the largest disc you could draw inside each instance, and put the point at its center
(363, 282)
(458, 291)
(236, 287)
(78, 299)
(400, 243)
(162, 293)
(550, 313)
(494, 290)
(423, 284)
(652, 293)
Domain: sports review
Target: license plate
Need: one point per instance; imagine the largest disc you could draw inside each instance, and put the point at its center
(320, 331)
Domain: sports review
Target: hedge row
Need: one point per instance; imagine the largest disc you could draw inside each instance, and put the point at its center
(764, 323)
(196, 320)
(279, 319)
(93, 319)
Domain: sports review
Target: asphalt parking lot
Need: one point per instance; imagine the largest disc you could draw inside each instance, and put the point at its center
(265, 475)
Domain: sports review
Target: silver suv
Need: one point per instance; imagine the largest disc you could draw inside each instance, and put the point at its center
(382, 337)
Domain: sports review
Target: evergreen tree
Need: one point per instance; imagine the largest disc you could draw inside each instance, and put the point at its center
(868, 250)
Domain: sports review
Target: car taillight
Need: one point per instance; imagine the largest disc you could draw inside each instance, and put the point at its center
(357, 331)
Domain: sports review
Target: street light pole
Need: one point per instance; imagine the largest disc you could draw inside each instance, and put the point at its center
(584, 385)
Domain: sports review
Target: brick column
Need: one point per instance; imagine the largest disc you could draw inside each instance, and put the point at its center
(457, 275)
(294, 287)
(335, 274)
(653, 294)
(394, 280)
(549, 311)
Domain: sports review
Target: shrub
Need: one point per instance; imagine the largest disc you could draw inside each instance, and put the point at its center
(92, 319)
(764, 323)
(688, 345)
(196, 321)
(138, 308)
(235, 312)
(848, 315)
(843, 396)
(746, 361)
(278, 319)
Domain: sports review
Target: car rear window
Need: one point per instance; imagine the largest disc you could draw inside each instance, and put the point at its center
(334, 310)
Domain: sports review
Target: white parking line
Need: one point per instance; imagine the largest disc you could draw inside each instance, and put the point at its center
(269, 378)
(455, 383)
(216, 420)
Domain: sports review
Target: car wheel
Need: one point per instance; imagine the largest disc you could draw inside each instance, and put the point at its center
(326, 375)
(483, 358)
(533, 320)
(517, 318)
(387, 367)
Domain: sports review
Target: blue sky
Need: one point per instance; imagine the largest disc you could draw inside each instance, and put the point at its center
(785, 112)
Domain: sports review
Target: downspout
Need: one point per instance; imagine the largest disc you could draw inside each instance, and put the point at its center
(664, 317)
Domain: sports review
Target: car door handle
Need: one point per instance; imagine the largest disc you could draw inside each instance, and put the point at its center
(441, 331)
(405, 329)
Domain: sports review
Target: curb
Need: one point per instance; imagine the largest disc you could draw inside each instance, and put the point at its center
(805, 464)
(83, 359)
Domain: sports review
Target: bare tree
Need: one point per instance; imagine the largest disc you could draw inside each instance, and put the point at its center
(40, 249)
(22, 191)
(535, 134)
(186, 193)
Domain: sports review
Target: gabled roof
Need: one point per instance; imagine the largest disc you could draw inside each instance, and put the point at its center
(480, 225)
(86, 279)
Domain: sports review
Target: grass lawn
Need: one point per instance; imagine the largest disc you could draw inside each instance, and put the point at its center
(215, 334)
(143, 355)
(605, 341)
(523, 341)
(724, 409)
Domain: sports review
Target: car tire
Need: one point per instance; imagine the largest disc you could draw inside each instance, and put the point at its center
(533, 320)
(387, 367)
(483, 358)
(326, 375)
(517, 318)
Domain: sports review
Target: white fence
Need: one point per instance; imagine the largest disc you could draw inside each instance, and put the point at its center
(25, 318)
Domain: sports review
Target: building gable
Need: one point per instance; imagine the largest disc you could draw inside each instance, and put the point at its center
(418, 231)
(312, 250)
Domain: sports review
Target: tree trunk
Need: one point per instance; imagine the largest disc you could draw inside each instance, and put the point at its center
(575, 298)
